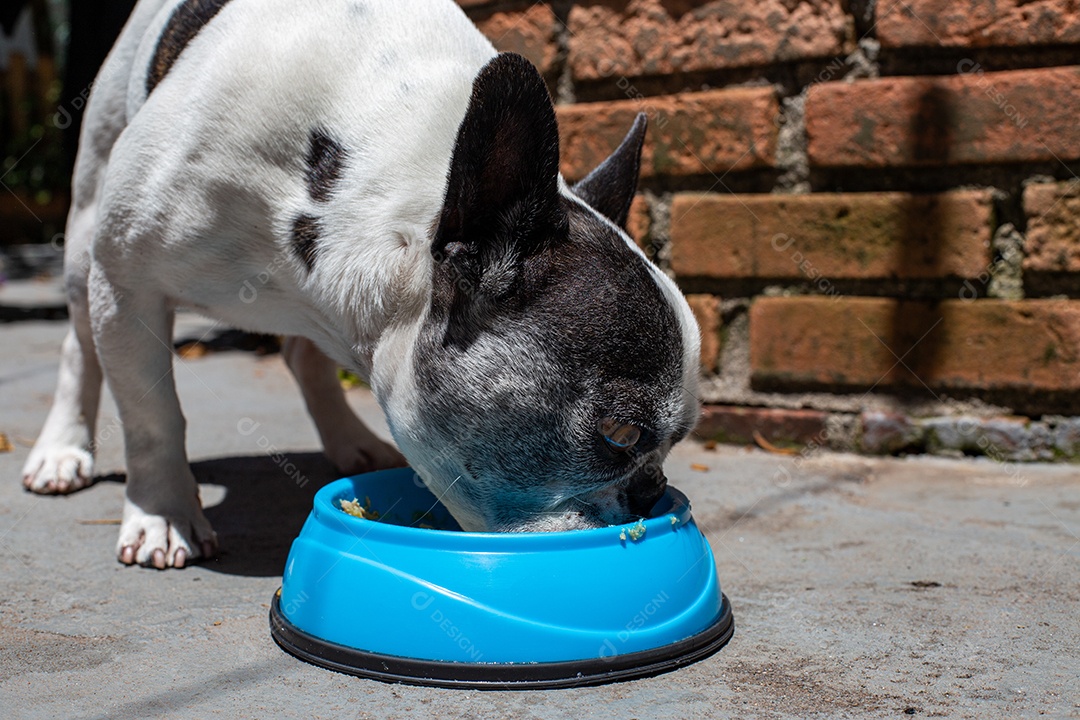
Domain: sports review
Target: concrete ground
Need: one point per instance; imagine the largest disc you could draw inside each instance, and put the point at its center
(861, 587)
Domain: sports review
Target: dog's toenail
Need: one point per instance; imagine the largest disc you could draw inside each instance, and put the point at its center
(180, 558)
(127, 555)
(158, 559)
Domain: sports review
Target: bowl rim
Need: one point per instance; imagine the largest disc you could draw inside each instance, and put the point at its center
(501, 675)
(670, 513)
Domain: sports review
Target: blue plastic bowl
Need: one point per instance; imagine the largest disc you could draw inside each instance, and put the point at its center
(412, 598)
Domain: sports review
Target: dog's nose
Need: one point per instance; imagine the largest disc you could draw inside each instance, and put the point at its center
(645, 488)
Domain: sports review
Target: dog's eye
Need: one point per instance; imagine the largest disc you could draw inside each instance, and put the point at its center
(619, 435)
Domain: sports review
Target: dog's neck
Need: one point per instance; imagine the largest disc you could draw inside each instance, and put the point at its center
(372, 273)
(372, 284)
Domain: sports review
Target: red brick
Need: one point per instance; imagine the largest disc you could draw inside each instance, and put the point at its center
(823, 237)
(977, 23)
(973, 118)
(855, 343)
(706, 309)
(528, 32)
(727, 423)
(1052, 241)
(610, 38)
(703, 133)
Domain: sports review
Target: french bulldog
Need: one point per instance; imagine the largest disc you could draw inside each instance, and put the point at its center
(374, 181)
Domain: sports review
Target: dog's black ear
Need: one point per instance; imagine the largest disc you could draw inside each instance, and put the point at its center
(502, 195)
(610, 187)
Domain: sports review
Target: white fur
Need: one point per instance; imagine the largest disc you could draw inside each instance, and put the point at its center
(185, 197)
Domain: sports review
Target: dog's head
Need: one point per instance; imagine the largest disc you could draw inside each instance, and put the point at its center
(556, 365)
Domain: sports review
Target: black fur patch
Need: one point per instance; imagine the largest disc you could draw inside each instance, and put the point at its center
(588, 310)
(305, 237)
(325, 161)
(187, 20)
(505, 167)
(616, 317)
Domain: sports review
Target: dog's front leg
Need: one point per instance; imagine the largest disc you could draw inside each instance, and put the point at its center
(163, 523)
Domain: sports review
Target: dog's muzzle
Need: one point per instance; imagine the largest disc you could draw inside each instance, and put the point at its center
(645, 488)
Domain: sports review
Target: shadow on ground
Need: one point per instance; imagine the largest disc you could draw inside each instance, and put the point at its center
(267, 498)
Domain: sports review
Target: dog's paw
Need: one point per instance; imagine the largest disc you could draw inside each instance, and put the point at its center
(57, 469)
(163, 541)
(359, 457)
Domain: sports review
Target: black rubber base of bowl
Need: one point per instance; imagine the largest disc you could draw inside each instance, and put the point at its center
(500, 676)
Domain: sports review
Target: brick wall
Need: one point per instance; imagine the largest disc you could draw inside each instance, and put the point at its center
(873, 207)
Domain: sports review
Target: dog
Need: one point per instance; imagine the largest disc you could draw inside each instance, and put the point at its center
(374, 181)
